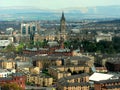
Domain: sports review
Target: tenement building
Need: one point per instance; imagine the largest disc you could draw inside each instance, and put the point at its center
(113, 84)
(7, 64)
(46, 61)
(64, 71)
(113, 64)
(39, 79)
(74, 82)
(17, 78)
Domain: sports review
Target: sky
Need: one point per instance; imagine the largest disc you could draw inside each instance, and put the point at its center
(57, 4)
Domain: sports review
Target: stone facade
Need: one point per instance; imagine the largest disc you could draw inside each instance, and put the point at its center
(40, 80)
(74, 82)
(62, 71)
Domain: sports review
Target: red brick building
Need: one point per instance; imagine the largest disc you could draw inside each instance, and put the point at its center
(49, 51)
(107, 85)
(17, 78)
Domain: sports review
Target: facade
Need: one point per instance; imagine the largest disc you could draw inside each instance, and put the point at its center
(101, 69)
(34, 70)
(17, 78)
(5, 64)
(4, 73)
(6, 39)
(105, 37)
(4, 43)
(74, 82)
(49, 51)
(64, 71)
(113, 64)
(40, 80)
(113, 84)
(30, 29)
(46, 61)
(81, 60)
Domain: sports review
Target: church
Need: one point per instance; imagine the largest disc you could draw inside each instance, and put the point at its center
(61, 34)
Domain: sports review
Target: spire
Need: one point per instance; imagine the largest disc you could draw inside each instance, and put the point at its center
(63, 17)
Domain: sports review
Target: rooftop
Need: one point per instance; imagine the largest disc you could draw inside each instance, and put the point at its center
(17, 74)
(100, 76)
(63, 81)
(75, 84)
(3, 70)
(62, 50)
(6, 79)
(108, 81)
(112, 87)
(73, 77)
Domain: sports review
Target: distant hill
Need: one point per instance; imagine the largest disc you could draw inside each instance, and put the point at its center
(110, 21)
(29, 13)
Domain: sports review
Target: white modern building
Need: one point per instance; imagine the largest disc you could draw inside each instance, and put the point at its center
(100, 76)
(4, 43)
(4, 72)
(103, 37)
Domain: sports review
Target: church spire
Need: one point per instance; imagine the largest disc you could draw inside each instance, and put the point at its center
(63, 17)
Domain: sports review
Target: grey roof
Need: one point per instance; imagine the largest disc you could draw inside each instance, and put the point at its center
(7, 61)
(75, 84)
(113, 87)
(23, 64)
(63, 81)
(108, 81)
(6, 79)
(50, 57)
(62, 50)
(17, 74)
(69, 66)
(83, 58)
(35, 49)
(41, 75)
(114, 60)
(73, 77)
(3, 70)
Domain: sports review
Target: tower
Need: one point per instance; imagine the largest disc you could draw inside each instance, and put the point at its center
(62, 30)
(62, 24)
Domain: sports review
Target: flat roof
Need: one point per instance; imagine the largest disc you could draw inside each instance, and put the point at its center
(100, 76)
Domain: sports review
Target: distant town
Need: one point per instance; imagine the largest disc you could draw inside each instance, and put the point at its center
(60, 54)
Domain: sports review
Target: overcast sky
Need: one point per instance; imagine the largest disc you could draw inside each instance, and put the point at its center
(57, 4)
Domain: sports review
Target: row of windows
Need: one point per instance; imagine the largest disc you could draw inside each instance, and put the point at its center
(24, 30)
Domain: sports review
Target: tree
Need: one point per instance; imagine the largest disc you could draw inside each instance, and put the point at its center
(67, 44)
(20, 48)
(38, 44)
(44, 43)
(10, 48)
(10, 86)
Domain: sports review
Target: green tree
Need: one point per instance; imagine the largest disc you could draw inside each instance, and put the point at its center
(20, 48)
(44, 43)
(10, 48)
(38, 44)
(67, 44)
(10, 86)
